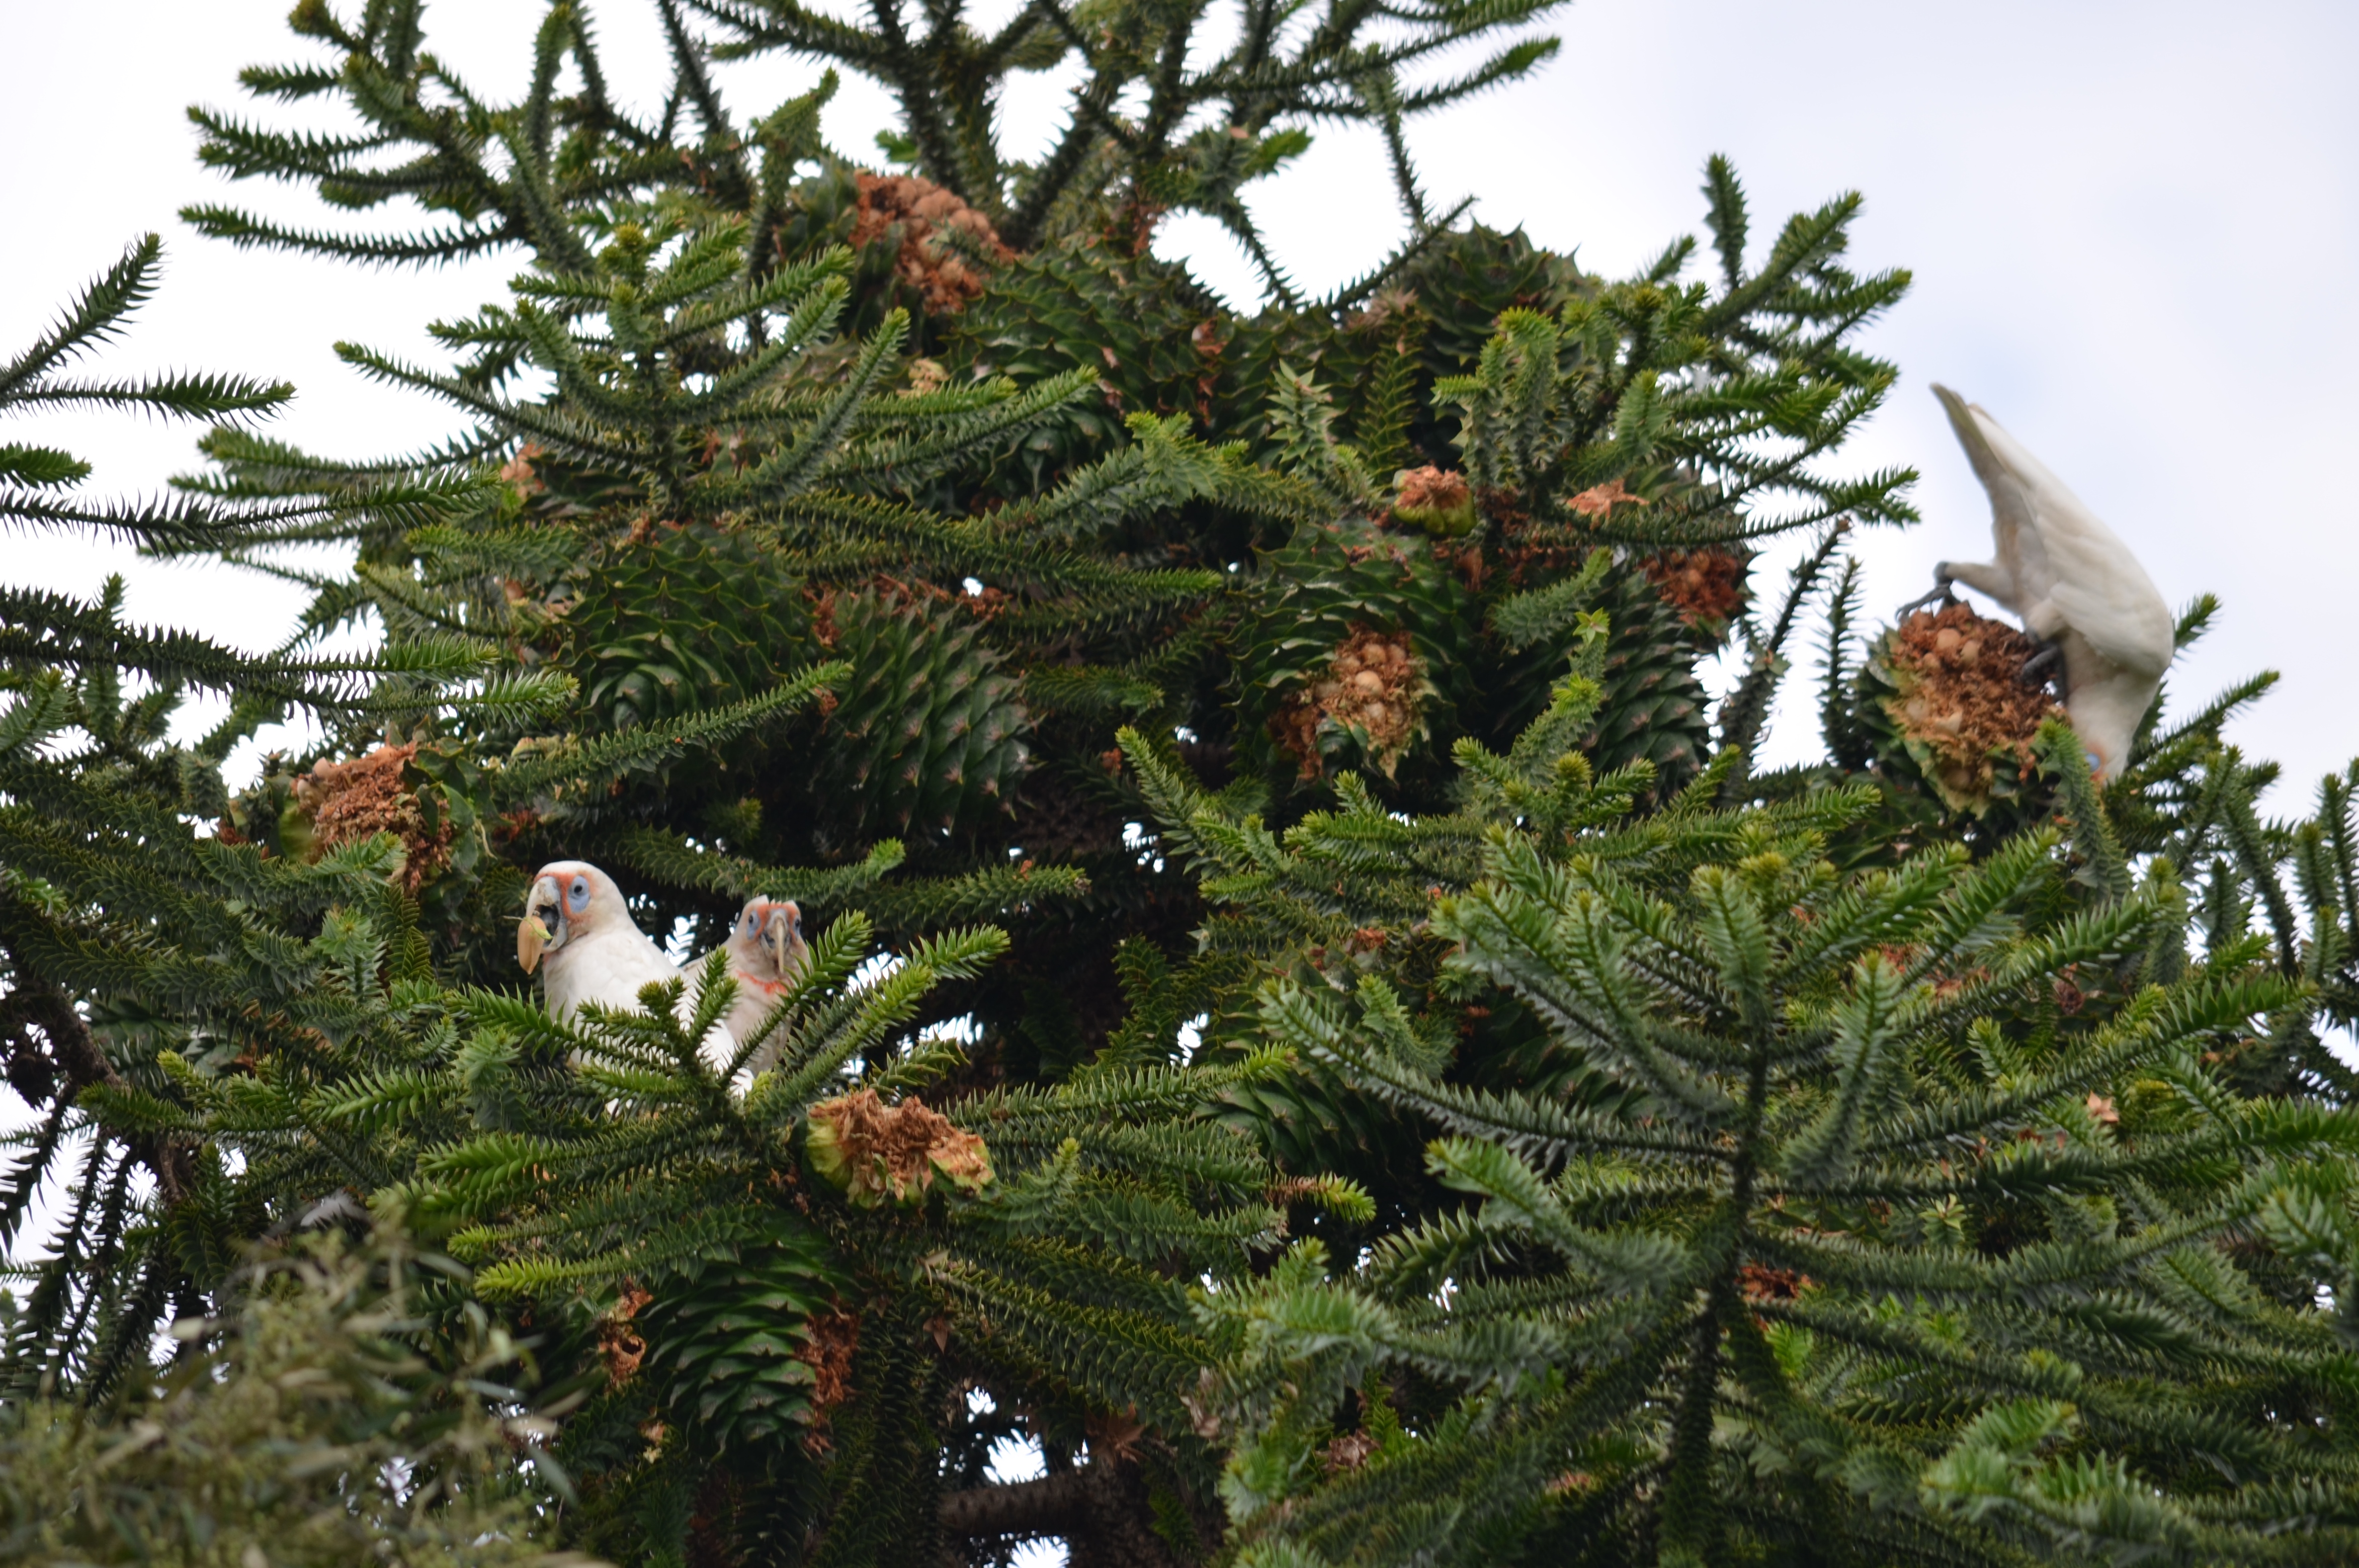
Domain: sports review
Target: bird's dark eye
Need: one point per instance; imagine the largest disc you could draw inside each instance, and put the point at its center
(578, 895)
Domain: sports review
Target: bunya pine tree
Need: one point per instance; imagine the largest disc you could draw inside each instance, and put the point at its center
(1358, 1067)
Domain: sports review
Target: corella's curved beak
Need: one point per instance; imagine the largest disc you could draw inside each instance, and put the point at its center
(543, 926)
(782, 938)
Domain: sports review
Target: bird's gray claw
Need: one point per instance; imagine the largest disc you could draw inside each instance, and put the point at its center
(2035, 668)
(1940, 595)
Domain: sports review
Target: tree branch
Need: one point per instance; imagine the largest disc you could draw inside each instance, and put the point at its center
(76, 1055)
(1049, 1506)
(1100, 1511)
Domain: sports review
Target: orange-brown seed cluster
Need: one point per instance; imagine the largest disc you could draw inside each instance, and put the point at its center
(1705, 584)
(1760, 1282)
(1434, 488)
(834, 1340)
(878, 1150)
(619, 1345)
(943, 275)
(1961, 693)
(1370, 686)
(354, 800)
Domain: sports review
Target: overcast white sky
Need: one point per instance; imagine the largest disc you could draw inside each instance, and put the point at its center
(2132, 227)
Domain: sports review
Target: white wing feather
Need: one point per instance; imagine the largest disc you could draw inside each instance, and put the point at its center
(2095, 583)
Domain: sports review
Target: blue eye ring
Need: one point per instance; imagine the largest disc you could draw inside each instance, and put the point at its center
(577, 897)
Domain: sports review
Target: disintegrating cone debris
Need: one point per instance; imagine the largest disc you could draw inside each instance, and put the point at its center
(351, 801)
(1958, 701)
(1704, 585)
(1436, 500)
(874, 1150)
(1370, 694)
(943, 273)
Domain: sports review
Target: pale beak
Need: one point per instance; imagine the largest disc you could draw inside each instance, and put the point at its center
(533, 934)
(532, 937)
(782, 936)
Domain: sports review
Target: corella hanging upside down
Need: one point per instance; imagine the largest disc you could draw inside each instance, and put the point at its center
(2074, 582)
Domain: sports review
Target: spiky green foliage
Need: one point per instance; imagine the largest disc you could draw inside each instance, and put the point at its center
(268, 1034)
(1914, 1214)
(809, 592)
(713, 475)
(123, 934)
(606, 1182)
(1157, 122)
(34, 476)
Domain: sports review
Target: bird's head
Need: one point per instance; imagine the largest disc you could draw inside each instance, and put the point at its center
(781, 937)
(747, 958)
(766, 944)
(569, 899)
(2105, 714)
